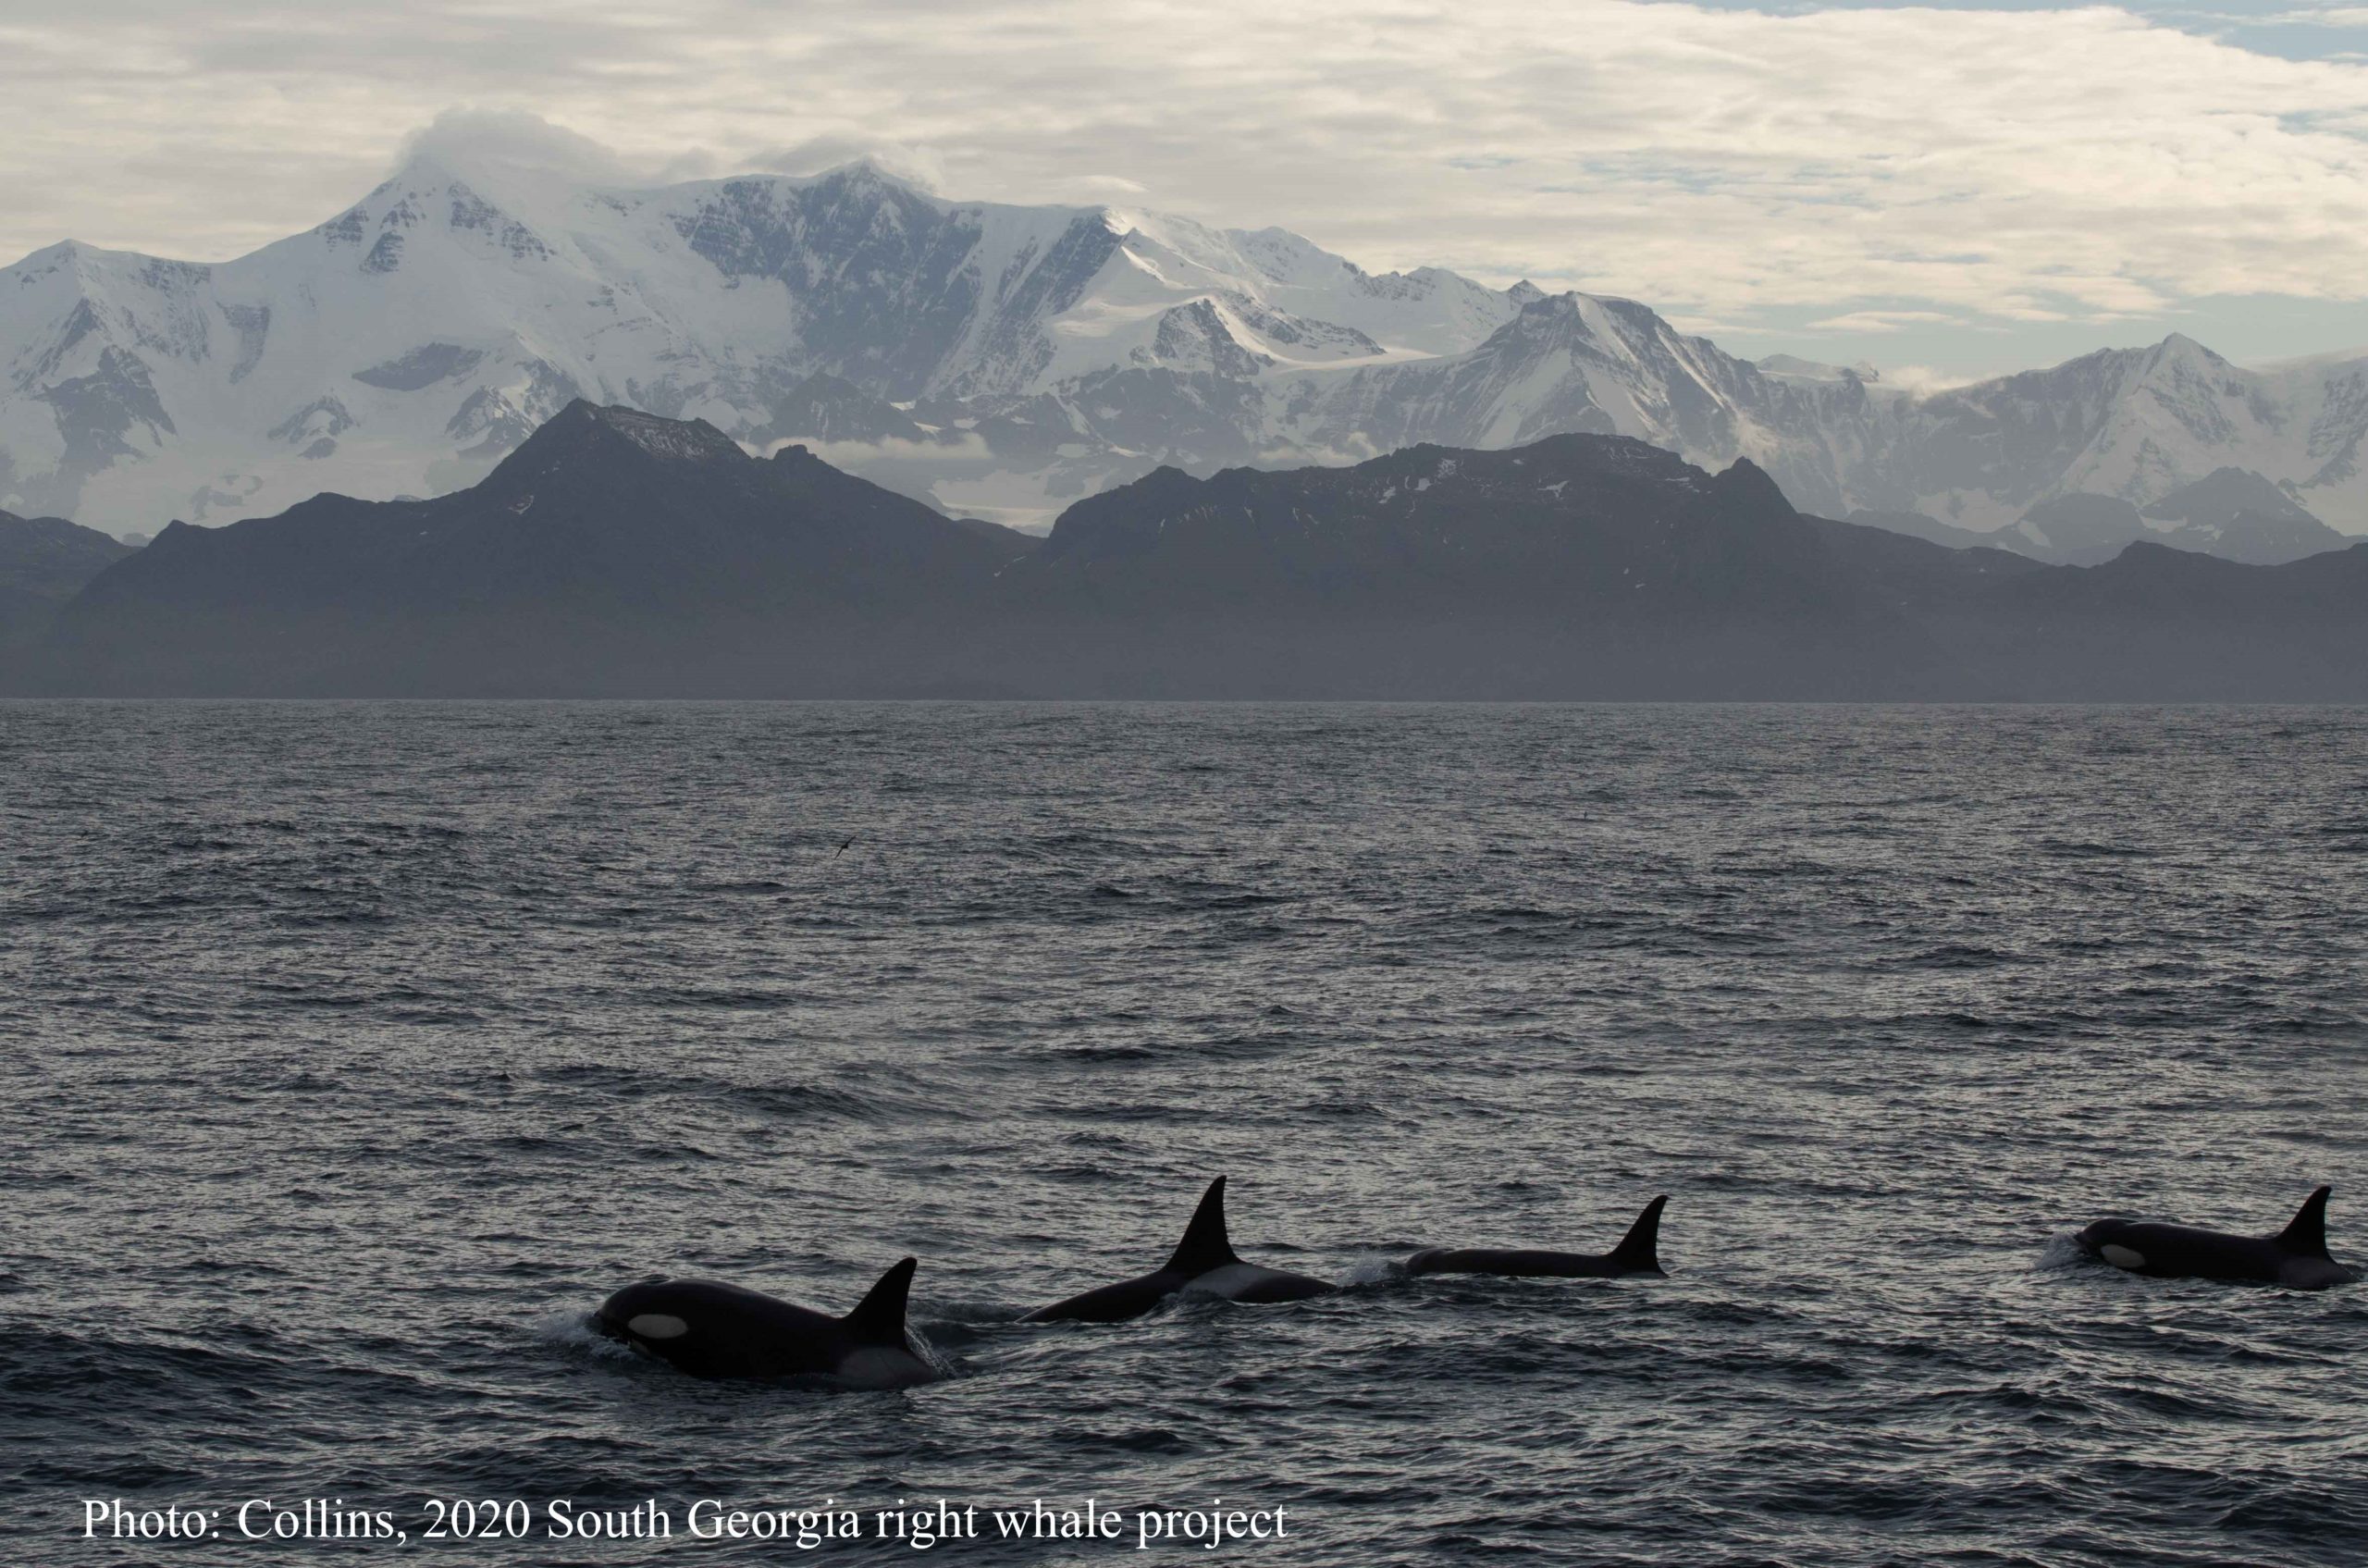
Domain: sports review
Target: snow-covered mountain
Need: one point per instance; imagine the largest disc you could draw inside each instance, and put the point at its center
(1000, 361)
(2136, 423)
(2230, 512)
(404, 345)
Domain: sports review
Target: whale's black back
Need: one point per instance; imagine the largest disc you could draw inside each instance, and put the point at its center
(730, 1331)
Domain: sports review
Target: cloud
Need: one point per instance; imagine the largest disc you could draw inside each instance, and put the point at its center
(915, 166)
(1734, 166)
(964, 451)
(512, 144)
(1880, 320)
(1922, 380)
(1351, 449)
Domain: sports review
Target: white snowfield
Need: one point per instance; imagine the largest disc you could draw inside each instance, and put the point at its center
(1000, 361)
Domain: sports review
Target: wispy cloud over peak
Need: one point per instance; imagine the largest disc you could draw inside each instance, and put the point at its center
(2008, 168)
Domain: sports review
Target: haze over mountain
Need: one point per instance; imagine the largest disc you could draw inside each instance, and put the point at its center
(2230, 512)
(618, 553)
(1002, 362)
(2237, 513)
(44, 562)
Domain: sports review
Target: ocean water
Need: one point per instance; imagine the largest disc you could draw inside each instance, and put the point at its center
(356, 1052)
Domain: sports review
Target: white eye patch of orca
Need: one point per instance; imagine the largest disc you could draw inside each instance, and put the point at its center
(657, 1326)
(2123, 1257)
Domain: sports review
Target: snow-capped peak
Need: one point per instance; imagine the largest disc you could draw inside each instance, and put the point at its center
(1001, 360)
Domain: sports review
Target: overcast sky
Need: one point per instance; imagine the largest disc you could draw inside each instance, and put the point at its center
(1966, 188)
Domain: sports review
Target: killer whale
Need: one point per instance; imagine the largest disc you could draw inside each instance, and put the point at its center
(1638, 1253)
(2296, 1256)
(710, 1329)
(1205, 1261)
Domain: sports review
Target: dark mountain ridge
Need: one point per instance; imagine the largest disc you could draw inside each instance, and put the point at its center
(1593, 561)
(619, 553)
(613, 551)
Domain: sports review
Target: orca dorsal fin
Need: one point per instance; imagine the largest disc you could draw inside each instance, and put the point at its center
(1206, 1245)
(1641, 1248)
(2307, 1234)
(878, 1318)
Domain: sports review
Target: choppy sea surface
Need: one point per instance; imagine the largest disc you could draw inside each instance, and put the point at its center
(356, 1052)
